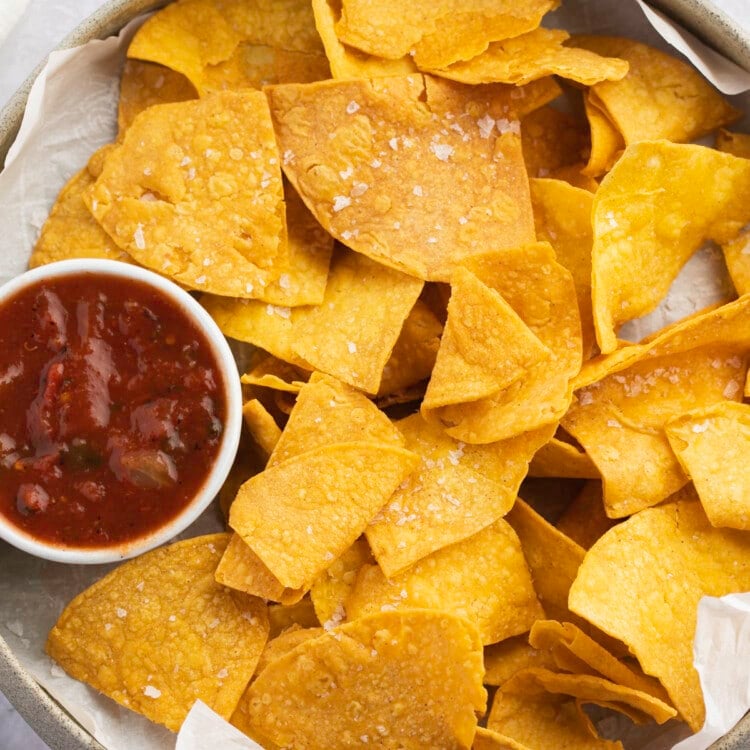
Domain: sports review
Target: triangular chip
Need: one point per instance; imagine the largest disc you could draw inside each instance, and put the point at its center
(104, 637)
(412, 677)
(300, 515)
(652, 606)
(649, 219)
(483, 578)
(551, 139)
(606, 141)
(737, 257)
(194, 191)
(557, 458)
(503, 660)
(263, 428)
(284, 643)
(377, 162)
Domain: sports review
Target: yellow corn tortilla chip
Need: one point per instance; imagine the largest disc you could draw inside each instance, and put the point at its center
(551, 139)
(620, 421)
(562, 217)
(104, 637)
(737, 256)
(70, 230)
(503, 660)
(413, 677)
(737, 144)
(537, 719)
(241, 569)
(352, 333)
(262, 426)
(348, 145)
(661, 96)
(652, 606)
(649, 219)
(607, 142)
(349, 62)
(543, 294)
(486, 739)
(486, 347)
(483, 578)
(328, 412)
(560, 459)
(144, 84)
(281, 617)
(713, 445)
(587, 688)
(574, 651)
(457, 491)
(531, 56)
(300, 515)
(271, 372)
(585, 519)
(331, 590)
(573, 174)
(284, 643)
(194, 191)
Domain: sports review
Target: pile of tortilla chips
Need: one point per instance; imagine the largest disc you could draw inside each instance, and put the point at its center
(428, 239)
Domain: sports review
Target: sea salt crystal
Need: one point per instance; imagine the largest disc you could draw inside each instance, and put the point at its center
(418, 191)
(702, 427)
(151, 692)
(359, 188)
(340, 202)
(121, 613)
(486, 125)
(352, 347)
(345, 174)
(138, 238)
(200, 280)
(223, 673)
(352, 107)
(442, 150)
(285, 281)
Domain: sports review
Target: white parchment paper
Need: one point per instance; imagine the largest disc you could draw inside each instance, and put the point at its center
(71, 112)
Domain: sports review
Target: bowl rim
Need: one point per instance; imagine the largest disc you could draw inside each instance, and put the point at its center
(230, 386)
(46, 716)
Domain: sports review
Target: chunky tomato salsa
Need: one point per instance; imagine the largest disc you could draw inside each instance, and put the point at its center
(111, 410)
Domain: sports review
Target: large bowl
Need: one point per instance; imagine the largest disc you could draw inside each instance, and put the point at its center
(43, 713)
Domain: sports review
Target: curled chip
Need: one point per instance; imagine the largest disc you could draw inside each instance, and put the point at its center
(414, 677)
(737, 256)
(562, 217)
(503, 660)
(438, 34)
(348, 62)
(525, 712)
(606, 141)
(649, 219)
(551, 139)
(483, 578)
(348, 144)
(620, 420)
(661, 96)
(282, 616)
(300, 515)
(585, 519)
(531, 56)
(271, 372)
(70, 230)
(713, 447)
(457, 491)
(284, 643)
(352, 333)
(486, 739)
(652, 606)
(105, 636)
(543, 295)
(737, 144)
(557, 458)
(194, 191)
(145, 84)
(262, 426)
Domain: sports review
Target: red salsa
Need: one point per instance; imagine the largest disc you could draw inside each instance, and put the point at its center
(111, 410)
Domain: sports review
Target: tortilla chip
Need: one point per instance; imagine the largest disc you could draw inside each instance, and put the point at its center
(458, 490)
(661, 96)
(348, 62)
(531, 56)
(560, 459)
(503, 660)
(483, 578)
(348, 144)
(352, 333)
(620, 421)
(271, 372)
(573, 174)
(737, 144)
(331, 590)
(713, 446)
(542, 292)
(262, 426)
(607, 142)
(241, 569)
(300, 515)
(562, 217)
(551, 139)
(737, 257)
(585, 520)
(285, 642)
(649, 219)
(282, 617)
(413, 677)
(652, 606)
(538, 719)
(194, 191)
(144, 84)
(70, 230)
(104, 637)
(438, 34)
